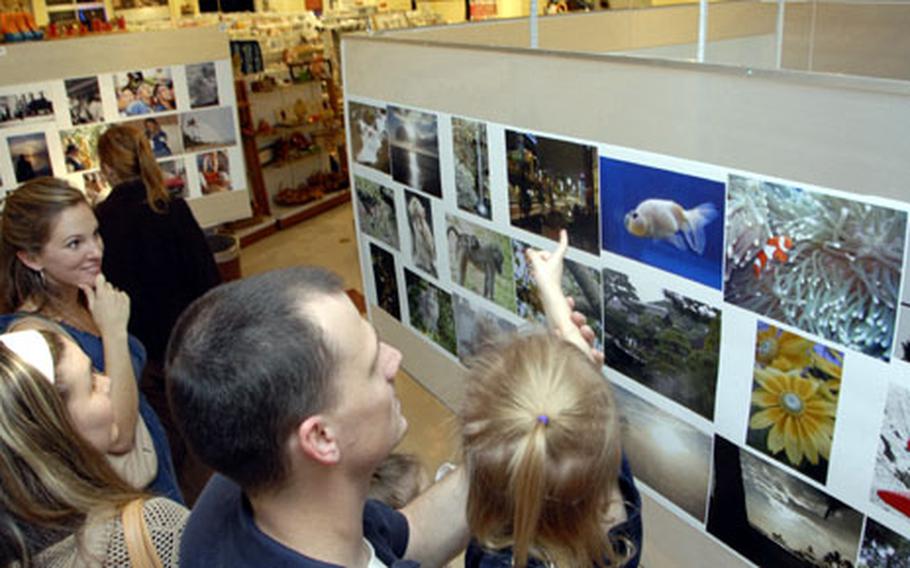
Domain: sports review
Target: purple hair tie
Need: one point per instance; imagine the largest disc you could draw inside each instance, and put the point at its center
(543, 419)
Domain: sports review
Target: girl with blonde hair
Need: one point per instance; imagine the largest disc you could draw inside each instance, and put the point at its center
(62, 504)
(549, 485)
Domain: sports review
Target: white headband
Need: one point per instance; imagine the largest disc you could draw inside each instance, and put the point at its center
(32, 348)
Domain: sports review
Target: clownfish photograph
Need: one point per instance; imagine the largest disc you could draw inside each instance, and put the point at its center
(776, 248)
(662, 219)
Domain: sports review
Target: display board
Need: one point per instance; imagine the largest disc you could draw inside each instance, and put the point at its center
(756, 327)
(50, 123)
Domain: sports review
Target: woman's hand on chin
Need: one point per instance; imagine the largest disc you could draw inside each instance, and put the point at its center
(110, 307)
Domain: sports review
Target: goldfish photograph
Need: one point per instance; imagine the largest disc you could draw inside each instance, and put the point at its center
(477, 328)
(582, 283)
(891, 478)
(794, 400)
(414, 149)
(827, 265)
(883, 548)
(553, 186)
(481, 261)
(385, 280)
(431, 311)
(376, 211)
(666, 341)
(369, 135)
(472, 166)
(774, 519)
(666, 454)
(665, 219)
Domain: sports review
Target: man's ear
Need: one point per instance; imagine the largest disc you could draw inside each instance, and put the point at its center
(29, 260)
(317, 439)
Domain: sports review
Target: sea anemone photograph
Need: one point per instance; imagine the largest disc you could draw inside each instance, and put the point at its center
(827, 265)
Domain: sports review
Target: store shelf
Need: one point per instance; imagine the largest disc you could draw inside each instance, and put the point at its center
(291, 161)
(287, 216)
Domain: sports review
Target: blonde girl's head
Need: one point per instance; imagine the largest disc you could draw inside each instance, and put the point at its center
(125, 154)
(541, 442)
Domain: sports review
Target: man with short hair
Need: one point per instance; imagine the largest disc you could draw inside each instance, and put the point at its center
(282, 387)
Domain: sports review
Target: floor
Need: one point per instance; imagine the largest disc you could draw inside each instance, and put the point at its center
(329, 240)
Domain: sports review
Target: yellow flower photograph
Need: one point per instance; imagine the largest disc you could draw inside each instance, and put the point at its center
(794, 400)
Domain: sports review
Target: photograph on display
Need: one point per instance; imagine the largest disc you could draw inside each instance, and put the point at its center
(794, 400)
(553, 186)
(376, 211)
(174, 172)
(891, 478)
(369, 136)
(206, 129)
(883, 548)
(665, 453)
(144, 92)
(202, 82)
(902, 343)
(431, 311)
(214, 172)
(84, 96)
(414, 149)
(94, 185)
(472, 166)
(664, 340)
(581, 282)
(481, 260)
(30, 156)
(162, 132)
(80, 147)
(386, 281)
(665, 219)
(25, 107)
(477, 328)
(827, 265)
(420, 226)
(774, 519)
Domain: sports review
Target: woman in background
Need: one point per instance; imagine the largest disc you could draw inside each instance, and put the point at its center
(62, 504)
(156, 252)
(549, 485)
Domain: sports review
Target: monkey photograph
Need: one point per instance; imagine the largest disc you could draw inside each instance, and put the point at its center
(414, 149)
(385, 280)
(369, 136)
(431, 311)
(479, 260)
(477, 328)
(472, 166)
(423, 243)
(376, 211)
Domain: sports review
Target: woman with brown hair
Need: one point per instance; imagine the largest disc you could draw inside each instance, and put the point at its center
(549, 485)
(155, 251)
(51, 256)
(62, 504)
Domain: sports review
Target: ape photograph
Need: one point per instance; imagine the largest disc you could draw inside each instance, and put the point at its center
(420, 224)
(481, 260)
(477, 328)
(431, 311)
(375, 205)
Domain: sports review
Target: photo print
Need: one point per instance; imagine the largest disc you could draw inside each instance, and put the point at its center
(481, 260)
(662, 339)
(431, 311)
(207, 129)
(30, 156)
(144, 92)
(581, 282)
(25, 107)
(385, 280)
(174, 172)
(95, 186)
(774, 519)
(665, 219)
(202, 81)
(902, 348)
(666, 454)
(891, 478)
(214, 172)
(369, 136)
(376, 211)
(477, 328)
(162, 133)
(883, 548)
(794, 400)
(414, 149)
(84, 96)
(420, 225)
(827, 265)
(80, 147)
(472, 166)
(553, 186)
